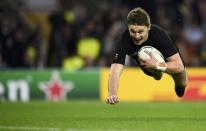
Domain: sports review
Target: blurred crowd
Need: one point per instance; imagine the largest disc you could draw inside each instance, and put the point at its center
(82, 34)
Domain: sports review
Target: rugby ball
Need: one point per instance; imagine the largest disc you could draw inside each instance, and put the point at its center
(145, 51)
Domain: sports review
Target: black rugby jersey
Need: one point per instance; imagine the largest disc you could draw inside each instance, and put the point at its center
(158, 38)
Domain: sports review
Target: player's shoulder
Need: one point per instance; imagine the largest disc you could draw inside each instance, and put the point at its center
(156, 28)
(158, 32)
(125, 33)
(124, 36)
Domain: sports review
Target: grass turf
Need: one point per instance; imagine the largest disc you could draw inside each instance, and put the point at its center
(98, 116)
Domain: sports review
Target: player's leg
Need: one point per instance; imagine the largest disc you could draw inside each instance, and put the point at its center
(181, 81)
(157, 75)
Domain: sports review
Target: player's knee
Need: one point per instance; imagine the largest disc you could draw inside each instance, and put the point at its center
(182, 83)
(185, 80)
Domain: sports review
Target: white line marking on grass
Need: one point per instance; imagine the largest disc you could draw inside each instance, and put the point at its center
(29, 128)
(73, 129)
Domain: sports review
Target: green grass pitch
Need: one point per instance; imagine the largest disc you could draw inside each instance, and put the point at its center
(93, 115)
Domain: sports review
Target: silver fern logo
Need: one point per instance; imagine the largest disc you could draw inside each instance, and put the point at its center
(116, 56)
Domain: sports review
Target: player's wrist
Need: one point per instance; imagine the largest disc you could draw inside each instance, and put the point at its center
(161, 66)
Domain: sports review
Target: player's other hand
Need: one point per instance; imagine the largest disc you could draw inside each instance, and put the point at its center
(113, 99)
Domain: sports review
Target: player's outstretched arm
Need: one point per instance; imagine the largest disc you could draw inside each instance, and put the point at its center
(113, 83)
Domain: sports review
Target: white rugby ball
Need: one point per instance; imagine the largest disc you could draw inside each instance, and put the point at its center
(144, 52)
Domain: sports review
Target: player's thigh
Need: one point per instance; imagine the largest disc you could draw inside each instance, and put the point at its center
(180, 78)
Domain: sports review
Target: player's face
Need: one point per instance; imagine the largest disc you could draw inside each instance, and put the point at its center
(138, 33)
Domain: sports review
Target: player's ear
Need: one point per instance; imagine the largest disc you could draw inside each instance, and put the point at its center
(149, 27)
(129, 25)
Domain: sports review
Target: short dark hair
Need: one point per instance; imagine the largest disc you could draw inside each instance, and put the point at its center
(138, 16)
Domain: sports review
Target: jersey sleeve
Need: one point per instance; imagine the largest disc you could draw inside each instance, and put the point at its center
(119, 54)
(167, 47)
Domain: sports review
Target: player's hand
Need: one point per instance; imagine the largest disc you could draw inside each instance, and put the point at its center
(113, 99)
(149, 63)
